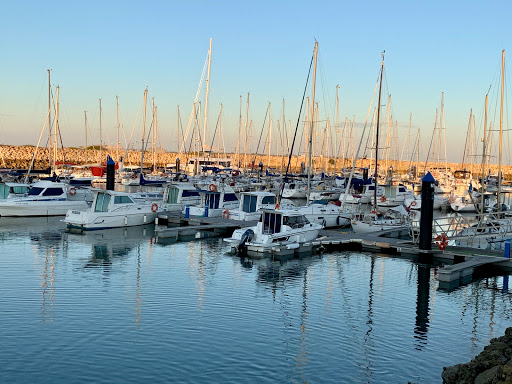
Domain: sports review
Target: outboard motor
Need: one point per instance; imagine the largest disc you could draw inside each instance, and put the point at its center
(246, 237)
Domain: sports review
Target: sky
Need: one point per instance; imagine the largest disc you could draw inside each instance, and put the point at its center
(103, 49)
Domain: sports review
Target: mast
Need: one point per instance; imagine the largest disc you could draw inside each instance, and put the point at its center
(239, 133)
(85, 115)
(501, 129)
(117, 119)
(377, 136)
(143, 132)
(178, 129)
(311, 124)
(206, 99)
(56, 130)
(484, 156)
(49, 121)
(100, 134)
(337, 126)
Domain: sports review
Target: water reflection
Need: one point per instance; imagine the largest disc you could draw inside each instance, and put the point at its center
(422, 305)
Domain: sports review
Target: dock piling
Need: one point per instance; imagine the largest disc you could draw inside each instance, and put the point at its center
(111, 173)
(427, 211)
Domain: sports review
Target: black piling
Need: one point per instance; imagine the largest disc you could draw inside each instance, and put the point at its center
(427, 211)
(111, 173)
(177, 165)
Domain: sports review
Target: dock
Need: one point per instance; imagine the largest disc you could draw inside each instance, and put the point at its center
(459, 263)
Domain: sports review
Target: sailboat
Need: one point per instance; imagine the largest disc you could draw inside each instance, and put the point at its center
(395, 216)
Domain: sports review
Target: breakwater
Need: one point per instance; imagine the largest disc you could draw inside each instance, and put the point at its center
(19, 157)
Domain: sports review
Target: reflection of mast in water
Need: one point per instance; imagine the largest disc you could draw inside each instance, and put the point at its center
(302, 358)
(422, 306)
(493, 306)
(137, 292)
(368, 345)
(47, 285)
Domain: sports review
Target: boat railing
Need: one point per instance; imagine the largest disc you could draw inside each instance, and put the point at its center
(472, 230)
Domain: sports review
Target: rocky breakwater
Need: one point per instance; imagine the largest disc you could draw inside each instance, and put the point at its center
(492, 365)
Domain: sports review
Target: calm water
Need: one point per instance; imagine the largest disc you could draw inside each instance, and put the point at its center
(114, 306)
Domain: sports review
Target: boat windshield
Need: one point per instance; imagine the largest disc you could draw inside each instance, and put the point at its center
(249, 204)
(35, 191)
(102, 201)
(271, 222)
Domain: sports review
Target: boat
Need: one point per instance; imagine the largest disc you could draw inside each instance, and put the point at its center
(275, 228)
(393, 196)
(112, 209)
(328, 215)
(216, 201)
(393, 218)
(176, 196)
(251, 204)
(13, 190)
(44, 198)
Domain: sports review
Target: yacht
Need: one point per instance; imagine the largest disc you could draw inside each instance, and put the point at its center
(112, 209)
(44, 198)
(275, 228)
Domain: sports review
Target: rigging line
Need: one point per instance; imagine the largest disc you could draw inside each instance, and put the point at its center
(213, 138)
(261, 134)
(295, 134)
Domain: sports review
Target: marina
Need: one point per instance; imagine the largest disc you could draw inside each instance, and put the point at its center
(122, 302)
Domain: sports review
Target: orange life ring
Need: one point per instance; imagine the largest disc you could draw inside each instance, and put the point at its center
(374, 212)
(413, 204)
(212, 187)
(383, 198)
(72, 191)
(442, 241)
(225, 214)
(154, 207)
(133, 176)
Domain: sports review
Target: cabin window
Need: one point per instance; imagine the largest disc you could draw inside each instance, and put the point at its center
(122, 200)
(173, 195)
(271, 223)
(53, 192)
(230, 197)
(102, 201)
(268, 200)
(212, 200)
(186, 193)
(35, 191)
(249, 203)
(401, 189)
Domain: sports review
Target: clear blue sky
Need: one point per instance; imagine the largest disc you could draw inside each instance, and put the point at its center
(100, 49)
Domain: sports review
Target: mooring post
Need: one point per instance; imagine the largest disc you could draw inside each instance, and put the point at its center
(427, 211)
(507, 249)
(111, 173)
(178, 165)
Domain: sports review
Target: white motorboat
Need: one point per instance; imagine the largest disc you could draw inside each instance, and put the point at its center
(216, 201)
(275, 228)
(112, 209)
(44, 198)
(394, 218)
(295, 190)
(328, 215)
(176, 196)
(393, 195)
(251, 204)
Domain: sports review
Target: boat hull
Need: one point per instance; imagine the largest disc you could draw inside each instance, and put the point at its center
(27, 208)
(89, 221)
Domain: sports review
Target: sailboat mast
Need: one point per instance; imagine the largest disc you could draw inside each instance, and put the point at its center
(377, 136)
(85, 116)
(117, 120)
(143, 131)
(501, 129)
(311, 124)
(484, 156)
(49, 121)
(206, 99)
(100, 134)
(56, 131)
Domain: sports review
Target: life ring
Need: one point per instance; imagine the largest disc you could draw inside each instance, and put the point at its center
(212, 187)
(413, 204)
(225, 214)
(133, 176)
(154, 207)
(72, 191)
(442, 241)
(383, 198)
(374, 212)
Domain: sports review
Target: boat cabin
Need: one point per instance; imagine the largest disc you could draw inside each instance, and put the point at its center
(253, 201)
(181, 194)
(274, 221)
(10, 190)
(106, 201)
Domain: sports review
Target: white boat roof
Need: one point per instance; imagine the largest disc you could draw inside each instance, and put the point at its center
(258, 193)
(48, 184)
(284, 212)
(17, 184)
